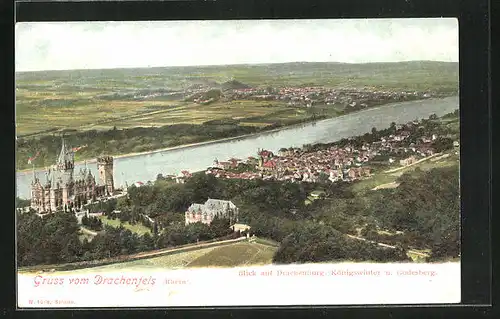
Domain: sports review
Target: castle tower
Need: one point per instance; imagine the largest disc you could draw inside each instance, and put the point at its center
(66, 159)
(105, 168)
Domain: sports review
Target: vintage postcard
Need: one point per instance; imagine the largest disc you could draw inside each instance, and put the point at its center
(237, 163)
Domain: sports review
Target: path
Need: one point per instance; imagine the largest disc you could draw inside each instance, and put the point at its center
(417, 162)
(386, 245)
(88, 231)
(133, 116)
(388, 185)
(106, 261)
(254, 255)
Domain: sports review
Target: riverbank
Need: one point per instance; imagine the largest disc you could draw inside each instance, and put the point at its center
(233, 138)
(184, 146)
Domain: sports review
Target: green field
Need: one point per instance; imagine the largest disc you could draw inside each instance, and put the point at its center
(240, 254)
(381, 178)
(139, 229)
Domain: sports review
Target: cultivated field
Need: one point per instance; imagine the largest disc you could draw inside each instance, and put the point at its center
(232, 255)
(104, 115)
(240, 254)
(101, 99)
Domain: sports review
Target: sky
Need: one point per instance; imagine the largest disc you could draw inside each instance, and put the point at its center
(100, 45)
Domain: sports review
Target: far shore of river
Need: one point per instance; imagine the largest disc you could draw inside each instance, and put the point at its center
(185, 146)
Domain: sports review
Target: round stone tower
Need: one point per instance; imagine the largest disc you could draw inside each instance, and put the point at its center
(105, 168)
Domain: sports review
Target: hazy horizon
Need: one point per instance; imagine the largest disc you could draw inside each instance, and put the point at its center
(238, 64)
(52, 46)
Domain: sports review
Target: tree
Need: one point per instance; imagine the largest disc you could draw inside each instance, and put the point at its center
(173, 235)
(53, 239)
(20, 203)
(203, 186)
(219, 227)
(85, 220)
(392, 128)
(197, 232)
(147, 242)
(442, 144)
(369, 231)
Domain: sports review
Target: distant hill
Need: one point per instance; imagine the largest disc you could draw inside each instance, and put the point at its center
(203, 71)
(202, 83)
(413, 75)
(205, 97)
(234, 85)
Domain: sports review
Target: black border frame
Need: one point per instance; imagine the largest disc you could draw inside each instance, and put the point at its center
(475, 107)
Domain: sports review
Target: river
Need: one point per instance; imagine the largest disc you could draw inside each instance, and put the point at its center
(146, 167)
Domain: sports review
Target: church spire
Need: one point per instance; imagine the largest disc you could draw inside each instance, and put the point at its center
(65, 160)
(63, 152)
(34, 174)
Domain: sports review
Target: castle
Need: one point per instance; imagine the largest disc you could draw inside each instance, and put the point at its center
(62, 188)
(205, 213)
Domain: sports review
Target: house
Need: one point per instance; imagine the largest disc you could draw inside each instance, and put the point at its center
(399, 138)
(334, 175)
(408, 161)
(240, 227)
(186, 174)
(180, 179)
(269, 165)
(205, 213)
(234, 162)
(97, 214)
(139, 184)
(265, 154)
(405, 133)
(169, 177)
(318, 194)
(224, 165)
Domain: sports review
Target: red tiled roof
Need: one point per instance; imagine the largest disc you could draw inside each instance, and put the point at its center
(269, 164)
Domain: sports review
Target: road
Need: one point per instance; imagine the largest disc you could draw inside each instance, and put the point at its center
(106, 261)
(88, 231)
(387, 246)
(417, 162)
